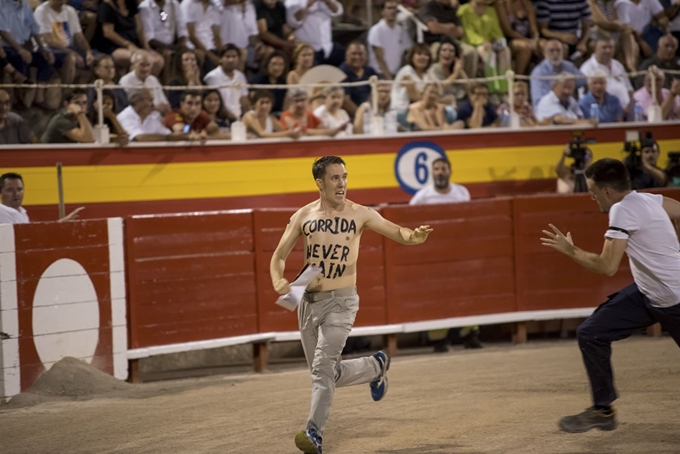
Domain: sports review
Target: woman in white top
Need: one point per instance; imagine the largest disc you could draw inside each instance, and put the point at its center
(332, 115)
(410, 80)
(261, 123)
(448, 69)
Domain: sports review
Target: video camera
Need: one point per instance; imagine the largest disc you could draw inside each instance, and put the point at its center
(581, 154)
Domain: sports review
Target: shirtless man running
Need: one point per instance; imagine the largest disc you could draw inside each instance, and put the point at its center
(331, 228)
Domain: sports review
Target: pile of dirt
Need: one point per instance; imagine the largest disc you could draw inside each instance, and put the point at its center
(69, 378)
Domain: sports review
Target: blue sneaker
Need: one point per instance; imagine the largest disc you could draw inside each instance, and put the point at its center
(379, 385)
(308, 441)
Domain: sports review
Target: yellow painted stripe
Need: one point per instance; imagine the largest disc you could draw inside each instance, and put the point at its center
(144, 182)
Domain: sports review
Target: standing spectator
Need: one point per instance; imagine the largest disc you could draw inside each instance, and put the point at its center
(331, 113)
(238, 25)
(61, 32)
(143, 122)
(275, 73)
(140, 76)
(668, 99)
(607, 25)
(477, 112)
(272, 26)
(187, 74)
(518, 22)
(639, 15)
(563, 20)
(448, 68)
(665, 59)
(303, 59)
(559, 106)
(235, 98)
(214, 107)
(672, 10)
(71, 125)
(18, 29)
(202, 18)
(356, 70)
(13, 128)
(191, 118)
(441, 19)
(104, 69)
(164, 29)
(388, 40)
(298, 117)
(409, 82)
(618, 83)
(261, 122)
(120, 33)
(552, 65)
(608, 106)
(483, 31)
(311, 21)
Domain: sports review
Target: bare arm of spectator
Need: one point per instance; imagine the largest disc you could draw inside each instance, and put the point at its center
(561, 168)
(416, 116)
(382, 64)
(84, 45)
(600, 20)
(449, 29)
(140, 33)
(84, 133)
(359, 119)
(673, 10)
(582, 45)
(254, 125)
(669, 103)
(411, 89)
(270, 38)
(504, 19)
(560, 36)
(217, 36)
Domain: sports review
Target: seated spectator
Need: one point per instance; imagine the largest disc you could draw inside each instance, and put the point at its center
(608, 106)
(429, 114)
(187, 74)
(117, 133)
(388, 40)
(13, 128)
(563, 20)
(303, 60)
(202, 18)
(312, 24)
(143, 122)
(7, 68)
(261, 123)
(238, 25)
(118, 33)
(104, 69)
(522, 107)
(272, 26)
(235, 99)
(368, 109)
(448, 68)
(140, 77)
(213, 106)
(672, 10)
(442, 19)
(356, 70)
(559, 106)
(19, 30)
(519, 25)
(477, 112)
(647, 174)
(71, 124)
(665, 59)
(668, 99)
(332, 115)
(61, 32)
(275, 72)
(298, 117)
(411, 78)
(552, 65)
(607, 25)
(164, 29)
(643, 16)
(618, 83)
(190, 118)
(483, 31)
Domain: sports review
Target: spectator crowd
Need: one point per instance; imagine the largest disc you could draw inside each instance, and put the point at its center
(428, 80)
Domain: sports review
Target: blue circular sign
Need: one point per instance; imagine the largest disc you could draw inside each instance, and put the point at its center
(413, 165)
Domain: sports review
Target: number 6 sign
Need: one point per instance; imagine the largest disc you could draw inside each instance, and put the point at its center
(413, 163)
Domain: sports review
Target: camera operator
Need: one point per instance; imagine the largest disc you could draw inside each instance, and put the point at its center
(643, 169)
(566, 174)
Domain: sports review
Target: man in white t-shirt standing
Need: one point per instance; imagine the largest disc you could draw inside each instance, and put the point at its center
(387, 42)
(443, 191)
(639, 225)
(235, 98)
(311, 20)
(12, 192)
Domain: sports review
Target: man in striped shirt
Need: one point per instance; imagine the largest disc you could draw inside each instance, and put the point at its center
(560, 20)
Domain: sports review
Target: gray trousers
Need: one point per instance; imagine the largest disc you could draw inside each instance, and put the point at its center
(325, 319)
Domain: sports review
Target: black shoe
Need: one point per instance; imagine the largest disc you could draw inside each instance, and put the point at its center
(592, 418)
(472, 340)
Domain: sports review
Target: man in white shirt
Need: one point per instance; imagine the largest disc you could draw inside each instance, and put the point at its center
(639, 225)
(638, 14)
(618, 83)
(311, 20)
(143, 122)
(164, 26)
(141, 76)
(387, 42)
(559, 105)
(202, 18)
(443, 191)
(235, 99)
(238, 25)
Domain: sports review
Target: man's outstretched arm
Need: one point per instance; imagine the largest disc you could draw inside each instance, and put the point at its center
(395, 232)
(606, 263)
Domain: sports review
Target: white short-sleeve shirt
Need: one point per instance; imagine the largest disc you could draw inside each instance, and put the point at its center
(63, 25)
(134, 126)
(550, 106)
(618, 83)
(637, 16)
(130, 81)
(393, 40)
(316, 28)
(203, 19)
(9, 215)
(237, 24)
(161, 30)
(429, 195)
(230, 96)
(653, 249)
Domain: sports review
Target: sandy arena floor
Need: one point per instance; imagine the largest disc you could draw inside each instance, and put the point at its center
(503, 400)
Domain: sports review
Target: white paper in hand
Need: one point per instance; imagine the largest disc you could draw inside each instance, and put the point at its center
(297, 288)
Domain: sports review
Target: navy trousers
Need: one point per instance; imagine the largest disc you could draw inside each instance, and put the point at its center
(623, 314)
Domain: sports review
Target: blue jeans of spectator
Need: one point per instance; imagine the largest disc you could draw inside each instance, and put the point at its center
(336, 57)
(39, 62)
(624, 313)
